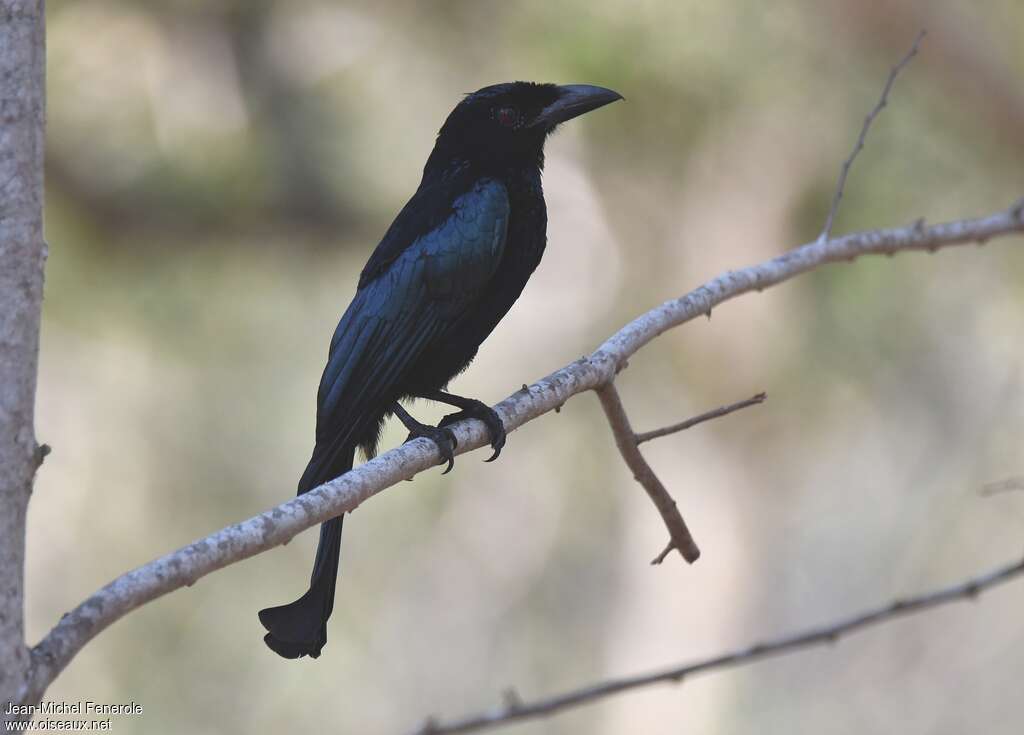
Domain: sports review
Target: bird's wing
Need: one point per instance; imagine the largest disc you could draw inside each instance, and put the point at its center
(409, 303)
(426, 210)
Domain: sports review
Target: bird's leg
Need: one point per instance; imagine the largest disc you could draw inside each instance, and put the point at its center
(471, 409)
(443, 437)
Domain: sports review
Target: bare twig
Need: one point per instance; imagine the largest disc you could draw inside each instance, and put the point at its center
(826, 634)
(701, 418)
(1003, 486)
(625, 440)
(629, 442)
(826, 231)
(278, 525)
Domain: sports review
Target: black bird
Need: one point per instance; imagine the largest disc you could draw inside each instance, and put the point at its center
(448, 269)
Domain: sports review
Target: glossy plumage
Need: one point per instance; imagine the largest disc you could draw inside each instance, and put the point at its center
(448, 269)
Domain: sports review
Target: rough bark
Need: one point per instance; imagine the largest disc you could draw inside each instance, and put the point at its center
(22, 255)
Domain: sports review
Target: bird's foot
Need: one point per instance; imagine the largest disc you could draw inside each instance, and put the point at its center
(443, 437)
(482, 412)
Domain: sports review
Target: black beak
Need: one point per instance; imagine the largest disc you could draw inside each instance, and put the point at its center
(573, 101)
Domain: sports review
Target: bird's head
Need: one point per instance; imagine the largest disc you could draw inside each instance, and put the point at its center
(507, 123)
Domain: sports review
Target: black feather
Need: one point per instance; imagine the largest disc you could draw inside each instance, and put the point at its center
(448, 269)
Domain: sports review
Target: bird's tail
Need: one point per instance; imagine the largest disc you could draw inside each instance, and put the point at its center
(300, 628)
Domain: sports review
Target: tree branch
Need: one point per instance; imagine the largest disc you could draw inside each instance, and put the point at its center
(679, 535)
(826, 231)
(516, 709)
(22, 254)
(278, 525)
(701, 418)
(628, 442)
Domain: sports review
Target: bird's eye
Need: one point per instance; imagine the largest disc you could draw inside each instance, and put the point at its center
(507, 116)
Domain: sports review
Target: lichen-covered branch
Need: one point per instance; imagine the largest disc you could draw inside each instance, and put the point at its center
(22, 254)
(277, 526)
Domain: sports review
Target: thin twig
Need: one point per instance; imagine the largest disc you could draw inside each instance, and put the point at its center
(277, 526)
(826, 232)
(1003, 486)
(700, 418)
(679, 535)
(826, 634)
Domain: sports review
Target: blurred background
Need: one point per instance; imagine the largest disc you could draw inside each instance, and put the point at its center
(217, 174)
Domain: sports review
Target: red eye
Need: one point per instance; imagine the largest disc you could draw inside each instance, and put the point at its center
(507, 116)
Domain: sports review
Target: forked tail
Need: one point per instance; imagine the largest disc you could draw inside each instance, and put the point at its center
(300, 628)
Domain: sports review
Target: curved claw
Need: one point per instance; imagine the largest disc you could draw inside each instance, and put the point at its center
(486, 414)
(444, 439)
(446, 447)
(497, 443)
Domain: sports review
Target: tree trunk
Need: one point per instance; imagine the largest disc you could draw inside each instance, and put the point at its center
(22, 255)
